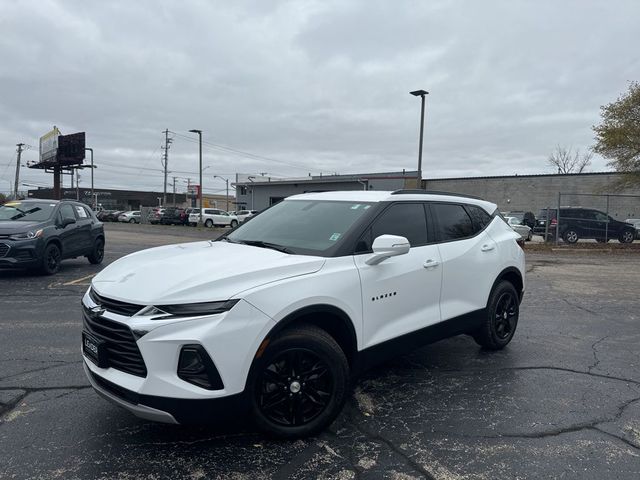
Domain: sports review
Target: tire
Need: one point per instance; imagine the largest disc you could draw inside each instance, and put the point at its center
(501, 319)
(287, 405)
(97, 254)
(570, 236)
(627, 236)
(132, 220)
(530, 236)
(51, 259)
(234, 223)
(208, 223)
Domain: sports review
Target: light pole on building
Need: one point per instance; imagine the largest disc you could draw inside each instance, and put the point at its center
(227, 182)
(422, 94)
(199, 132)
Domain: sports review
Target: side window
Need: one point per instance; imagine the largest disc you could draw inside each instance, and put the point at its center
(454, 222)
(82, 213)
(599, 216)
(66, 211)
(404, 219)
(479, 217)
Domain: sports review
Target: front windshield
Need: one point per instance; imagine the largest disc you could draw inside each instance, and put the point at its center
(301, 226)
(26, 211)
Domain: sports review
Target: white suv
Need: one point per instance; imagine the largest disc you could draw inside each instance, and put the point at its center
(213, 218)
(277, 316)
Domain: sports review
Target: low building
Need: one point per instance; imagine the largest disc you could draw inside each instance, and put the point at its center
(262, 192)
(112, 199)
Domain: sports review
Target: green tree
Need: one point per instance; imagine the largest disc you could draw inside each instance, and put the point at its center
(618, 136)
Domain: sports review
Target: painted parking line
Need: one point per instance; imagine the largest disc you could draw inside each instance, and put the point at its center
(79, 281)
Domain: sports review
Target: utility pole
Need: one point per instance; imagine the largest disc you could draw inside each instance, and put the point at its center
(165, 163)
(19, 145)
(174, 191)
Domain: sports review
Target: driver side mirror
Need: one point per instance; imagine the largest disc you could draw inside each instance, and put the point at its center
(386, 246)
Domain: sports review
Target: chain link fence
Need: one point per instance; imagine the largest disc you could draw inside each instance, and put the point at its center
(579, 217)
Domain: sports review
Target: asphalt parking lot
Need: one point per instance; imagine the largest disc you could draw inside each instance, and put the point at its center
(561, 401)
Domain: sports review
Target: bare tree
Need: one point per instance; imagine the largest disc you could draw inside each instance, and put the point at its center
(567, 161)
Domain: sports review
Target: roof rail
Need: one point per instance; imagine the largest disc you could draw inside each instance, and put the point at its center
(432, 192)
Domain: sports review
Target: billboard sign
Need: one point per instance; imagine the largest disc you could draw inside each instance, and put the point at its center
(49, 146)
(71, 149)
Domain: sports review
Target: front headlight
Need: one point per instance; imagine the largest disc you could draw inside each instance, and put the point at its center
(162, 312)
(27, 235)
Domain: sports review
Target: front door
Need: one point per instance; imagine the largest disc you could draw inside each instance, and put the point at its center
(69, 235)
(401, 294)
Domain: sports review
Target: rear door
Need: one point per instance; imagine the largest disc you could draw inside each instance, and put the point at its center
(469, 255)
(85, 223)
(401, 294)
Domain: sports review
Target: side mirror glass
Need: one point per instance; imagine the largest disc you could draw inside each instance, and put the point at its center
(386, 246)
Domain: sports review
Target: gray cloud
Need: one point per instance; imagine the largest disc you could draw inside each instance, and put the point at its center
(317, 86)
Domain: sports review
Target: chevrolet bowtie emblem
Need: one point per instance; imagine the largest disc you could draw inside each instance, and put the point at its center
(97, 310)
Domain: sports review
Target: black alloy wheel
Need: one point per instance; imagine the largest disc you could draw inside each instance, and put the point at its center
(51, 259)
(299, 386)
(501, 318)
(97, 254)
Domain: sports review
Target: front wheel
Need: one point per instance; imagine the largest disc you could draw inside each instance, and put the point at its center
(51, 259)
(132, 220)
(97, 254)
(626, 236)
(501, 318)
(300, 383)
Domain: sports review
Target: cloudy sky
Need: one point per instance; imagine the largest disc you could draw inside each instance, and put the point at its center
(297, 87)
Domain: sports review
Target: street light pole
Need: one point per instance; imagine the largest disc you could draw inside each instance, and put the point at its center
(199, 132)
(422, 94)
(92, 195)
(227, 182)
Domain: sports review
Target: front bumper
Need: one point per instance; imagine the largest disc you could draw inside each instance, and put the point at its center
(20, 253)
(230, 339)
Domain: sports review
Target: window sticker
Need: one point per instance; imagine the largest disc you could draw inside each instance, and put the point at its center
(335, 237)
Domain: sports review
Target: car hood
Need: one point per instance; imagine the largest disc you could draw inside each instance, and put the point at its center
(197, 272)
(13, 227)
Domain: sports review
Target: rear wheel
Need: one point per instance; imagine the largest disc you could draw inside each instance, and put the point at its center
(571, 236)
(51, 259)
(234, 223)
(132, 220)
(501, 318)
(97, 254)
(208, 223)
(299, 385)
(626, 237)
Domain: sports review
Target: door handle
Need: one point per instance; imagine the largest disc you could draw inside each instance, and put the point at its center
(487, 248)
(430, 263)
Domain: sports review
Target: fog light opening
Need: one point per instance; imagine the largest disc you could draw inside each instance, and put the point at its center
(196, 367)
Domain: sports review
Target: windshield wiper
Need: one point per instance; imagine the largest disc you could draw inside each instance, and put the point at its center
(261, 244)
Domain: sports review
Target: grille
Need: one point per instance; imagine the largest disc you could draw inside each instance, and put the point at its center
(121, 346)
(115, 306)
(4, 249)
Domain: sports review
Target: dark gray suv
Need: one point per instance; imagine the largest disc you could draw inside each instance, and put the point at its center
(577, 223)
(39, 234)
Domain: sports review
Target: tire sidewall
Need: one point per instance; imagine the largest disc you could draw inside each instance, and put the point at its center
(496, 294)
(335, 361)
(95, 257)
(45, 265)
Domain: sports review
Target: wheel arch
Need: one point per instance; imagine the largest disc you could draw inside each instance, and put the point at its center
(513, 276)
(329, 318)
(57, 243)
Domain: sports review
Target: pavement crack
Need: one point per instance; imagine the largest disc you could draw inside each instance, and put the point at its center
(596, 360)
(579, 307)
(41, 369)
(13, 404)
(622, 439)
(389, 444)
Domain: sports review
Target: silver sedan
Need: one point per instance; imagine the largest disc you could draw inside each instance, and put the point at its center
(523, 230)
